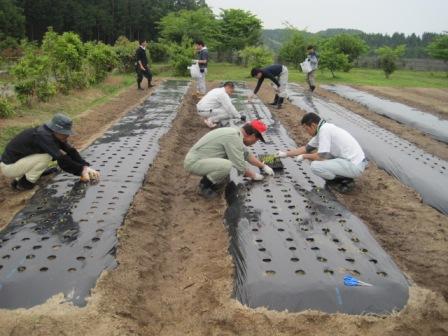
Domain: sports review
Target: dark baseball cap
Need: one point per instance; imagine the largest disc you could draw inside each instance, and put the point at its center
(61, 124)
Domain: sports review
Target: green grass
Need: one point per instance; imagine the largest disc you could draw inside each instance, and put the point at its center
(357, 76)
(72, 104)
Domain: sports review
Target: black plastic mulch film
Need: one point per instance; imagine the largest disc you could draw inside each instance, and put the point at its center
(293, 243)
(67, 234)
(425, 122)
(425, 173)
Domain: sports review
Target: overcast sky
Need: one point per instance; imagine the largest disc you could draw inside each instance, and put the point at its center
(375, 16)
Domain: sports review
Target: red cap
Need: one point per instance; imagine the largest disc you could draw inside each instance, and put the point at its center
(259, 127)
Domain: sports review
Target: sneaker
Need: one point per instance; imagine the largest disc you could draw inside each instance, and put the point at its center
(210, 123)
(141, 89)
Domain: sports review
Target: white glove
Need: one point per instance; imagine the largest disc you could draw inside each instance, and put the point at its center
(258, 177)
(268, 170)
(89, 174)
(299, 158)
(282, 154)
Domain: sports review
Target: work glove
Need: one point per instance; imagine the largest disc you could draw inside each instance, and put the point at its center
(299, 158)
(258, 177)
(268, 170)
(89, 174)
(282, 154)
(243, 118)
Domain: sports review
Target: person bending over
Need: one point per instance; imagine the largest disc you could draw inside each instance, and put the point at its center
(278, 74)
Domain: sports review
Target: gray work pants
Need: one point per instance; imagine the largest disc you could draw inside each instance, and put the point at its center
(330, 169)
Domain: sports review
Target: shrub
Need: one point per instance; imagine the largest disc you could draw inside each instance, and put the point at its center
(181, 56)
(125, 51)
(6, 109)
(32, 74)
(66, 53)
(159, 51)
(101, 59)
(256, 57)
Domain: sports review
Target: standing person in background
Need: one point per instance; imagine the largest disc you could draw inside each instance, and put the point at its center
(278, 74)
(312, 58)
(202, 59)
(141, 66)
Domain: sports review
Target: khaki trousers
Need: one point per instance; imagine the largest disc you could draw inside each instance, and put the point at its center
(31, 166)
(217, 170)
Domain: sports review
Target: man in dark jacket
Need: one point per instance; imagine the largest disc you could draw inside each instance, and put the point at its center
(278, 74)
(28, 155)
(141, 66)
(202, 59)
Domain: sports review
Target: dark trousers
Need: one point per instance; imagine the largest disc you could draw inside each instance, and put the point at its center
(143, 73)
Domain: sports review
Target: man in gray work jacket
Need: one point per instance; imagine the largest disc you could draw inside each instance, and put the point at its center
(314, 61)
(214, 155)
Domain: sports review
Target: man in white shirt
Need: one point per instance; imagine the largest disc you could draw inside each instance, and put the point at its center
(335, 154)
(217, 108)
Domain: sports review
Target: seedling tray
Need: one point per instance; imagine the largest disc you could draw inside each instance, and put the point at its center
(272, 161)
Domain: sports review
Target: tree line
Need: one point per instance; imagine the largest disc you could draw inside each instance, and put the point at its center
(100, 20)
(415, 46)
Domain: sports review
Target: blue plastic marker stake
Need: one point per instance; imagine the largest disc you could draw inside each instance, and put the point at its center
(352, 281)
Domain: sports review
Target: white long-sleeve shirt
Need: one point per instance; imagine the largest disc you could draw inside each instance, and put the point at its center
(218, 99)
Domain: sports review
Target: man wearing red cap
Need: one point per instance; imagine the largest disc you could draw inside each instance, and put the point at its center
(214, 155)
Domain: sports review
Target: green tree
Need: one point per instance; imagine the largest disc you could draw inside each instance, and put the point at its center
(438, 48)
(351, 45)
(389, 57)
(293, 51)
(181, 55)
(239, 29)
(333, 60)
(256, 57)
(12, 21)
(194, 24)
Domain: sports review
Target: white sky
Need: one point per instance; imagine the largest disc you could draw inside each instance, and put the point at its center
(374, 16)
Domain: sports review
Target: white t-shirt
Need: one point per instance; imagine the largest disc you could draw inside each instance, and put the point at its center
(338, 142)
(218, 99)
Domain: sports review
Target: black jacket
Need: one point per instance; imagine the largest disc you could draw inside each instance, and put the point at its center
(140, 55)
(40, 140)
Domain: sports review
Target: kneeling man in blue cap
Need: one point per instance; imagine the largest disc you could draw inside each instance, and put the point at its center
(27, 156)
